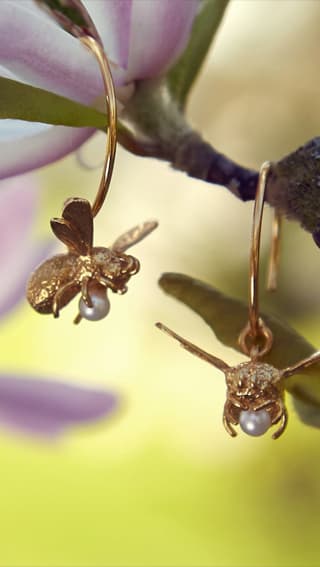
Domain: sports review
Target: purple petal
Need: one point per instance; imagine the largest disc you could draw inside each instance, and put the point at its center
(18, 254)
(35, 50)
(15, 293)
(159, 32)
(47, 144)
(18, 198)
(112, 19)
(46, 408)
(133, 33)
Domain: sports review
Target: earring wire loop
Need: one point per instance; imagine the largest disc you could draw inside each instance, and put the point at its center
(97, 50)
(256, 329)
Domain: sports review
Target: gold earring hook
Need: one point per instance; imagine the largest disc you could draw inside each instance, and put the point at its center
(256, 330)
(273, 268)
(97, 50)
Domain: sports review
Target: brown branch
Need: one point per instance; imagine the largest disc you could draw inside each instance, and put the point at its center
(156, 127)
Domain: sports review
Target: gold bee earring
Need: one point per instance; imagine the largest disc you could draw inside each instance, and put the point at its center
(255, 389)
(86, 269)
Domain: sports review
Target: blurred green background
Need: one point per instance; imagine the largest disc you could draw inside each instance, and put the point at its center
(161, 483)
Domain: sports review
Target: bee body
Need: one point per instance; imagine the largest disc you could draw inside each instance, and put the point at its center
(48, 278)
(253, 387)
(64, 269)
(86, 269)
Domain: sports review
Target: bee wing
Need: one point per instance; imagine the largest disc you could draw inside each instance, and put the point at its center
(133, 236)
(78, 213)
(75, 228)
(65, 232)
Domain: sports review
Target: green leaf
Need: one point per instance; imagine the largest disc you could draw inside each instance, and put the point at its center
(227, 317)
(23, 102)
(183, 74)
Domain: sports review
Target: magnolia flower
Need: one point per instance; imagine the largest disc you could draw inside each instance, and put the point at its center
(41, 407)
(142, 38)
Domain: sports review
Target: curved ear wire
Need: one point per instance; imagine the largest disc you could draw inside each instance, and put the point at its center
(97, 50)
(256, 330)
(274, 260)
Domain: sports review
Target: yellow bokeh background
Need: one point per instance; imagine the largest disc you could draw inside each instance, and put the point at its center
(161, 483)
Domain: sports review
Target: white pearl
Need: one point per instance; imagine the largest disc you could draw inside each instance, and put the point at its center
(255, 422)
(100, 305)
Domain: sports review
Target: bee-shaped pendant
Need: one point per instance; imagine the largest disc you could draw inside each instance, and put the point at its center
(255, 390)
(84, 269)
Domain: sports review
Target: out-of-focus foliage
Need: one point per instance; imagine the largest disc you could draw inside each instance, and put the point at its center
(181, 77)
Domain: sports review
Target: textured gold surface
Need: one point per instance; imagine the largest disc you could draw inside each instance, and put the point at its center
(57, 272)
(56, 282)
(46, 280)
(252, 386)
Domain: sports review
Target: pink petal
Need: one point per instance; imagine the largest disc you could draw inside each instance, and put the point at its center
(159, 32)
(15, 292)
(18, 253)
(46, 408)
(145, 35)
(47, 144)
(35, 50)
(112, 19)
(18, 199)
